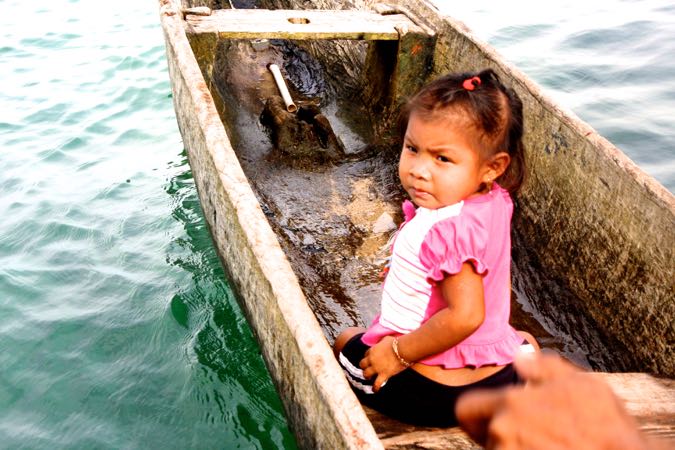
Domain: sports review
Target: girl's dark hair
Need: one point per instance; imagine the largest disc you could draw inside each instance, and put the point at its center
(492, 109)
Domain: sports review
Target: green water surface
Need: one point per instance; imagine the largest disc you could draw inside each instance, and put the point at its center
(117, 325)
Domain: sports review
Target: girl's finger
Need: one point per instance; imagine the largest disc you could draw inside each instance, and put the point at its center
(380, 381)
(369, 372)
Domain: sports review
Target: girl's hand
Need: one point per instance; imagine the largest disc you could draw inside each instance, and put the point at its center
(381, 362)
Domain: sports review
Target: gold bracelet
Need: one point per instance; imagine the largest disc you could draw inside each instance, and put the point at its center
(394, 346)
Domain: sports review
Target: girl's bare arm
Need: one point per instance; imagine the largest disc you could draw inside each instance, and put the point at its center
(465, 312)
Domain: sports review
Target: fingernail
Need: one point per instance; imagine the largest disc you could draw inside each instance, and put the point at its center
(524, 360)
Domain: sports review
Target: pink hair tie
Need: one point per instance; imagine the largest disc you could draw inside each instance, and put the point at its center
(470, 83)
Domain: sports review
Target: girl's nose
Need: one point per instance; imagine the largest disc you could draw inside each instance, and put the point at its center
(420, 170)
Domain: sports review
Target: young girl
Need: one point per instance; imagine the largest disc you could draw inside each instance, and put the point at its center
(444, 321)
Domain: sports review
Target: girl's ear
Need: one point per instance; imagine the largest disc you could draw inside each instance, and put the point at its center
(496, 166)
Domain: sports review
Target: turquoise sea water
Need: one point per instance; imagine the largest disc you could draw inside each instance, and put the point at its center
(117, 326)
(610, 62)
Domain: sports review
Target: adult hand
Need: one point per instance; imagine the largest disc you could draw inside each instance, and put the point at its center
(381, 362)
(560, 407)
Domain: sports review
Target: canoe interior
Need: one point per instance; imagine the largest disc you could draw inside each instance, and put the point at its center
(325, 214)
(333, 220)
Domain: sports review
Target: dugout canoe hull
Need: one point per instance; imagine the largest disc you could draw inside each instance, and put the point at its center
(628, 290)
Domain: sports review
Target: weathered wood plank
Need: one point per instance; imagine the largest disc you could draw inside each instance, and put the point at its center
(643, 394)
(649, 399)
(300, 25)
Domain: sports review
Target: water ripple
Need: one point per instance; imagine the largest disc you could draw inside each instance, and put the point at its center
(108, 279)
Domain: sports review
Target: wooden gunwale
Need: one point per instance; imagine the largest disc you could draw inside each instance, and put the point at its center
(320, 406)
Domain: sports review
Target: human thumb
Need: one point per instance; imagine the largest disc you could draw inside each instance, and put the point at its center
(539, 367)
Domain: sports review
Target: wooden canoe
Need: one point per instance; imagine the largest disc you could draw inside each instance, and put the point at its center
(593, 234)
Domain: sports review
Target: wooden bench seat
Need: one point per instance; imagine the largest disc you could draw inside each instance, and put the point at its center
(300, 25)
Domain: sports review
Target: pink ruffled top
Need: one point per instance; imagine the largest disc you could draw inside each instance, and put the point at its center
(432, 244)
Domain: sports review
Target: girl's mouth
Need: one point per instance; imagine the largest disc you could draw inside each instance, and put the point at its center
(420, 193)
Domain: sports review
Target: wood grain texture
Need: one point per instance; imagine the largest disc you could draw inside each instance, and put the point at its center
(300, 25)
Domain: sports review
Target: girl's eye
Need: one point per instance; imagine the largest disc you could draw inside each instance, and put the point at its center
(410, 148)
(442, 158)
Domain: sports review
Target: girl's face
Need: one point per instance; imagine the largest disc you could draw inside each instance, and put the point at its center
(439, 163)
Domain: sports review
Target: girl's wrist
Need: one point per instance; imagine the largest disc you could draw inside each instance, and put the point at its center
(403, 361)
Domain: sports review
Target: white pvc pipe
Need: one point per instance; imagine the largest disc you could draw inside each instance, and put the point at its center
(283, 89)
